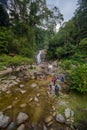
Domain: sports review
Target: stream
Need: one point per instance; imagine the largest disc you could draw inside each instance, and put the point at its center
(26, 102)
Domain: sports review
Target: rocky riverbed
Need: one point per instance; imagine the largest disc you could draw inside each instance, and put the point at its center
(26, 104)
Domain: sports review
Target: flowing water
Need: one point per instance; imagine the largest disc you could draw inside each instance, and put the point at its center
(39, 57)
(37, 110)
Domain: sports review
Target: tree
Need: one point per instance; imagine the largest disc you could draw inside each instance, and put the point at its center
(4, 18)
(80, 16)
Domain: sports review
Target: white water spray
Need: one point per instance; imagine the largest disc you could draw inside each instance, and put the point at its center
(39, 57)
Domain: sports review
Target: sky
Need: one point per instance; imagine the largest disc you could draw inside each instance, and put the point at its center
(66, 7)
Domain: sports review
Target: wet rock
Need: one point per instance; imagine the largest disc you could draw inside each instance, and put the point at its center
(8, 92)
(53, 108)
(31, 99)
(14, 83)
(68, 113)
(16, 98)
(54, 114)
(33, 77)
(4, 120)
(36, 99)
(23, 91)
(22, 117)
(13, 77)
(70, 121)
(60, 118)
(62, 103)
(44, 127)
(9, 107)
(17, 80)
(38, 94)
(34, 126)
(21, 127)
(12, 126)
(48, 119)
(50, 123)
(21, 85)
(34, 85)
(23, 105)
(4, 88)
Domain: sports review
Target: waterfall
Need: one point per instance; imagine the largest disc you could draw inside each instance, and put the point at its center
(39, 57)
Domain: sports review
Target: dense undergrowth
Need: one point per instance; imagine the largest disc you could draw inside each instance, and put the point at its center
(8, 61)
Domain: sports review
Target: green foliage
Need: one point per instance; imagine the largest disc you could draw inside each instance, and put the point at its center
(4, 17)
(6, 60)
(5, 39)
(66, 64)
(83, 44)
(31, 67)
(79, 78)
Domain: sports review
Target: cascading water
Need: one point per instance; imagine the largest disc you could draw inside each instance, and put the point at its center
(39, 57)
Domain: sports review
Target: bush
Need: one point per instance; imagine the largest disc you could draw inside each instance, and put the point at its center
(79, 78)
(66, 64)
(6, 60)
(83, 44)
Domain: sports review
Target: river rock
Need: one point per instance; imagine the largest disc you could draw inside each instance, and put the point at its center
(12, 126)
(23, 91)
(44, 127)
(34, 85)
(8, 92)
(48, 119)
(62, 103)
(4, 88)
(4, 120)
(21, 127)
(13, 77)
(38, 94)
(67, 112)
(31, 99)
(22, 117)
(9, 107)
(21, 85)
(60, 118)
(50, 123)
(36, 99)
(23, 105)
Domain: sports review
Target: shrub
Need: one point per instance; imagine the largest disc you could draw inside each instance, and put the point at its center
(66, 64)
(79, 78)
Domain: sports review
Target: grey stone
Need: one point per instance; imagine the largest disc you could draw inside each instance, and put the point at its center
(4, 120)
(22, 117)
(67, 112)
(62, 103)
(12, 126)
(44, 127)
(60, 118)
